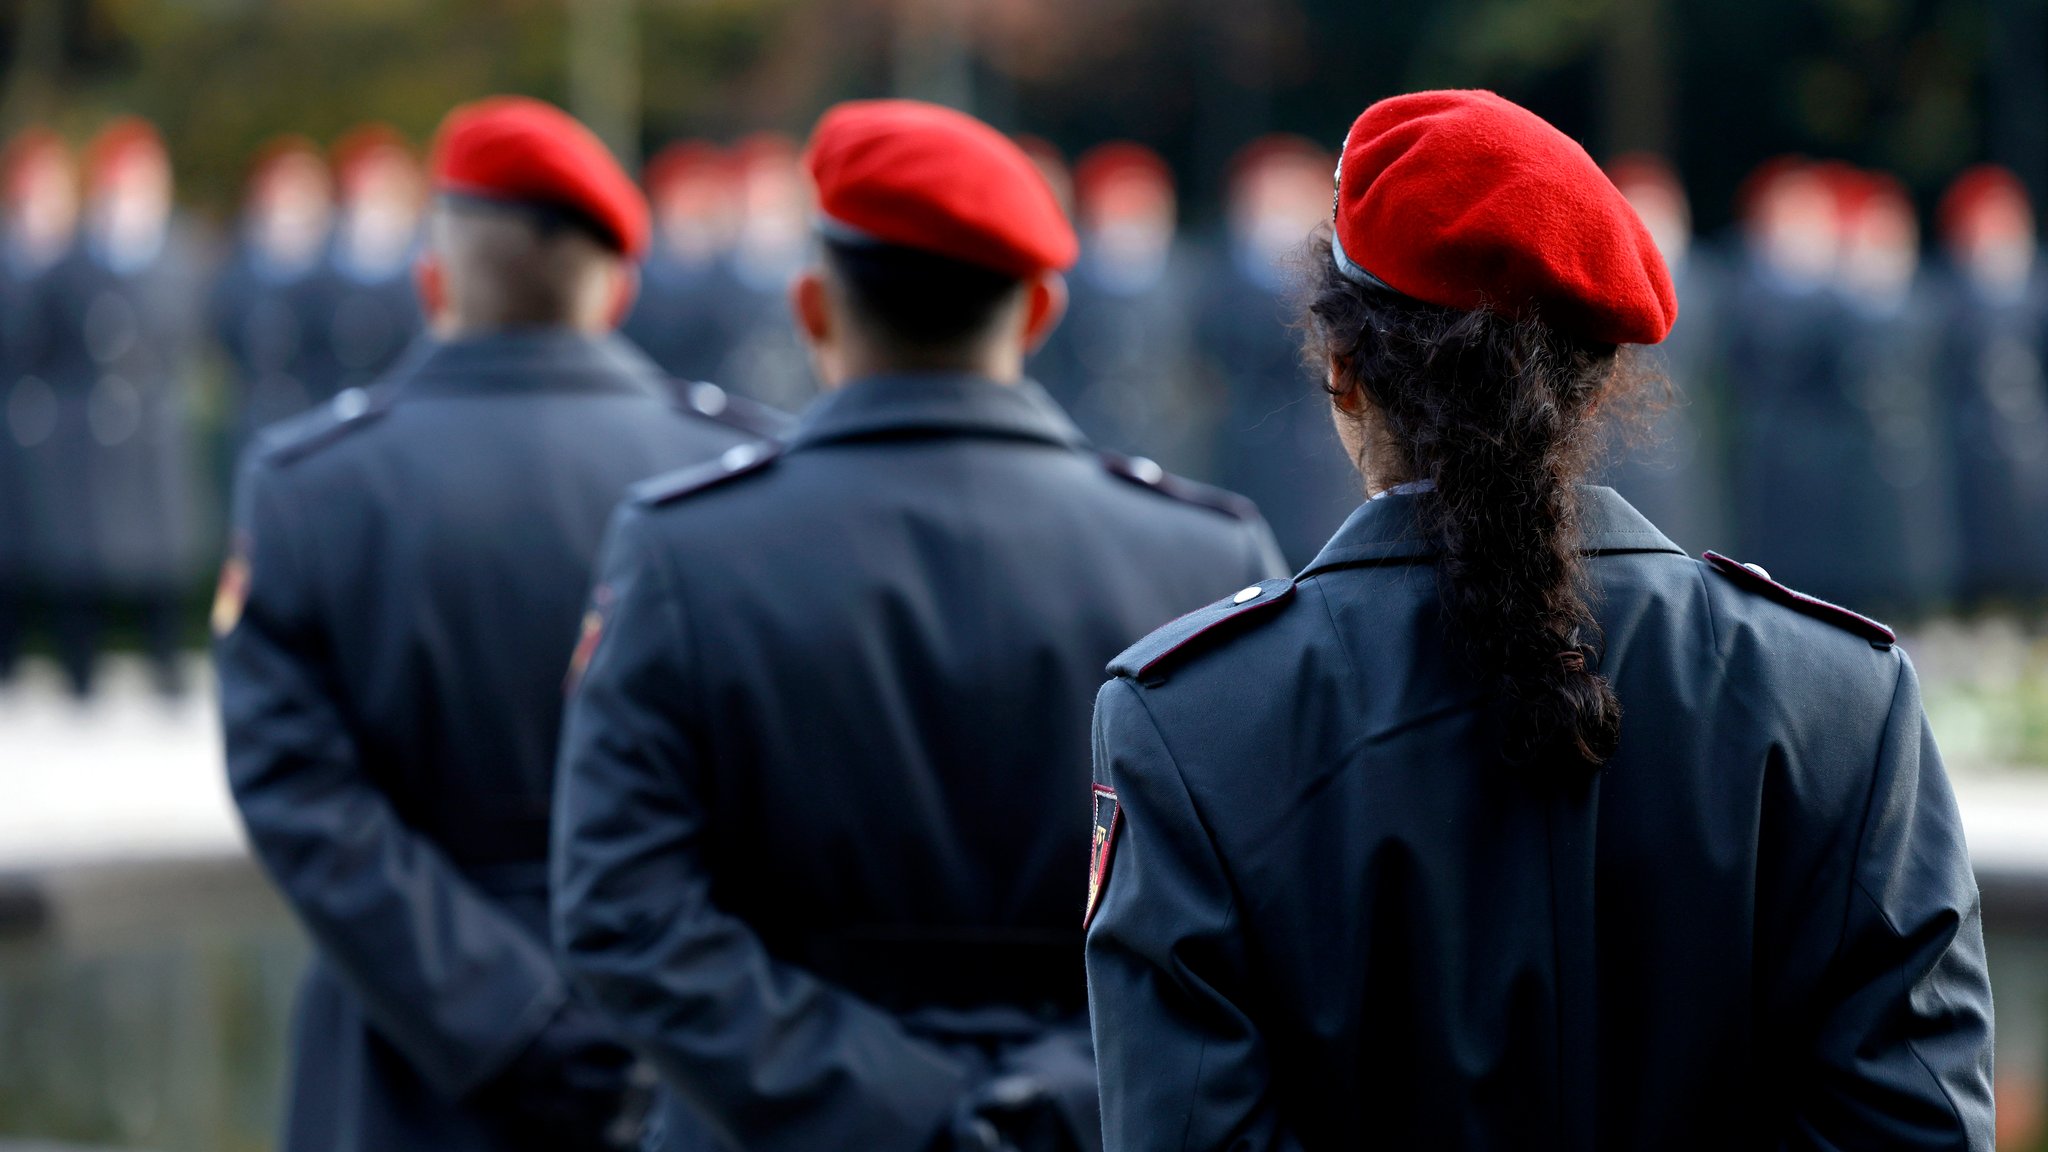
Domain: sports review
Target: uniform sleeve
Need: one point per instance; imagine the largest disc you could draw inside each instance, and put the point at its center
(1182, 1065)
(444, 973)
(774, 1057)
(1903, 1058)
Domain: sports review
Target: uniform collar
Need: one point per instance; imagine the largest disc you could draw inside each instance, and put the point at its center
(553, 359)
(1383, 530)
(936, 404)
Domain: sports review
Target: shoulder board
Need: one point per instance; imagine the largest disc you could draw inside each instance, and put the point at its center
(1148, 474)
(737, 461)
(1150, 657)
(1753, 578)
(300, 437)
(714, 403)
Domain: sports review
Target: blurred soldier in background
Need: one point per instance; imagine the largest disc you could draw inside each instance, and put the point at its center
(395, 620)
(767, 361)
(1275, 441)
(41, 215)
(1784, 334)
(1885, 489)
(375, 311)
(1676, 478)
(113, 479)
(1992, 391)
(1131, 383)
(271, 307)
(687, 310)
(815, 844)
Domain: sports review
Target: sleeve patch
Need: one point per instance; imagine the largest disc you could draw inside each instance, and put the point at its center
(1109, 819)
(231, 594)
(587, 638)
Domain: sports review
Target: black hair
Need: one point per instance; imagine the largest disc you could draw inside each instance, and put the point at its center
(1503, 416)
(917, 300)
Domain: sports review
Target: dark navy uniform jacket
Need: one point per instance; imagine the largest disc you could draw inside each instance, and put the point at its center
(818, 816)
(415, 562)
(1334, 917)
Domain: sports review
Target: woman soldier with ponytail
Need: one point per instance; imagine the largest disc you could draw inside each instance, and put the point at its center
(1507, 824)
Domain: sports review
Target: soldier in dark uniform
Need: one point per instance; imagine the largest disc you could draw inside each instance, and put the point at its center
(373, 311)
(270, 305)
(394, 624)
(1274, 442)
(1889, 487)
(1506, 824)
(114, 480)
(765, 360)
(1129, 373)
(687, 316)
(810, 825)
(1784, 332)
(1675, 471)
(41, 212)
(1993, 394)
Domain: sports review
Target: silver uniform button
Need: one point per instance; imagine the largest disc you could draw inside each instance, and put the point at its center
(351, 403)
(1247, 595)
(739, 456)
(707, 398)
(1147, 471)
(1759, 570)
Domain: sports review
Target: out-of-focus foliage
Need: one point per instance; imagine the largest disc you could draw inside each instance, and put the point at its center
(1896, 84)
(1986, 685)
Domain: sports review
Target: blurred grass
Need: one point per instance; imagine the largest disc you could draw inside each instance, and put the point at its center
(1985, 682)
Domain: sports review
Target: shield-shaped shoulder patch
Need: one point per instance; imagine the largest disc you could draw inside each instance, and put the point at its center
(1108, 821)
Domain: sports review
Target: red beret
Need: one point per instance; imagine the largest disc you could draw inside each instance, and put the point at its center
(1466, 200)
(30, 148)
(685, 160)
(519, 149)
(915, 174)
(1105, 164)
(119, 144)
(1977, 188)
(362, 145)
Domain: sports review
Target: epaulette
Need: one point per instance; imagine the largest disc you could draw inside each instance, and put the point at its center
(1148, 474)
(1753, 578)
(1148, 659)
(714, 403)
(350, 410)
(737, 461)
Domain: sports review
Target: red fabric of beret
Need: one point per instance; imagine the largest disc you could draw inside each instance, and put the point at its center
(926, 177)
(1466, 200)
(523, 150)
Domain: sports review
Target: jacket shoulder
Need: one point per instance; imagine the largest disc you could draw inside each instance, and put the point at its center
(708, 400)
(351, 411)
(1755, 580)
(737, 461)
(1149, 475)
(1151, 659)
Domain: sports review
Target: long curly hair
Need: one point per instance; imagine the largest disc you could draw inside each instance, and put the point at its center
(1504, 416)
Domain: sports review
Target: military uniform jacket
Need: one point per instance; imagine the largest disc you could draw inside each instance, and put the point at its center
(818, 810)
(1331, 916)
(397, 621)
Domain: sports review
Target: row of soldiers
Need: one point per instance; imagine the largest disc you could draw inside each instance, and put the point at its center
(1837, 405)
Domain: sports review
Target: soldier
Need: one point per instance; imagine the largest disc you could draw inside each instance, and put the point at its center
(270, 305)
(809, 832)
(1675, 476)
(1783, 334)
(686, 314)
(1275, 442)
(1130, 380)
(1507, 824)
(373, 311)
(1994, 396)
(119, 319)
(1886, 482)
(394, 622)
(766, 361)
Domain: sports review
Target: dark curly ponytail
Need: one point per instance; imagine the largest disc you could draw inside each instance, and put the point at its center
(1500, 415)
